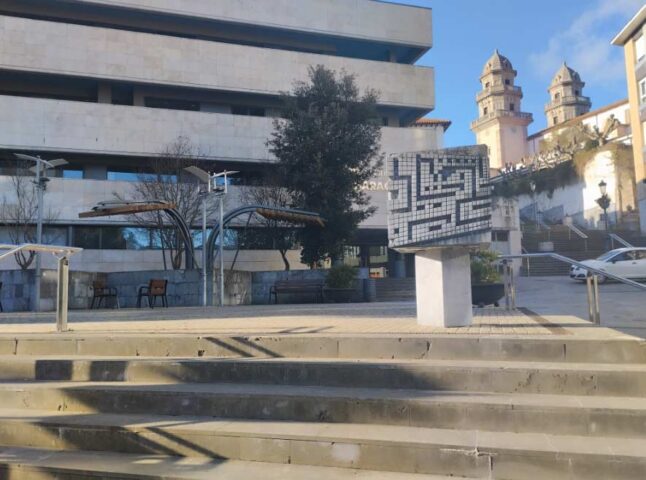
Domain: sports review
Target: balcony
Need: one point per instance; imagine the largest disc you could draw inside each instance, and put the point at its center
(568, 100)
(499, 89)
(527, 118)
(65, 126)
(102, 53)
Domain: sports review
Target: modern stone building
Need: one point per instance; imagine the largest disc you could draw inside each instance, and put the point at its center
(108, 85)
(566, 97)
(633, 39)
(501, 124)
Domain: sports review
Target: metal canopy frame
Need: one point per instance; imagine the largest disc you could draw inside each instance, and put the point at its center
(109, 209)
(63, 255)
(289, 215)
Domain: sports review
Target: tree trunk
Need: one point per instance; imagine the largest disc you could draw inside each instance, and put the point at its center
(283, 253)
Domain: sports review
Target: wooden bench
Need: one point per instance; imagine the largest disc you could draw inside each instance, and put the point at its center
(314, 287)
(102, 292)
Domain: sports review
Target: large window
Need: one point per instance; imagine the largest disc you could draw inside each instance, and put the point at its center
(642, 92)
(112, 238)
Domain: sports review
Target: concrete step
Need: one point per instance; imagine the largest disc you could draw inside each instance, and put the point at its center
(553, 348)
(556, 414)
(41, 464)
(465, 453)
(626, 380)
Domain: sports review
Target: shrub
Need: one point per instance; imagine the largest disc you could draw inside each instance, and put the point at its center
(341, 276)
(483, 269)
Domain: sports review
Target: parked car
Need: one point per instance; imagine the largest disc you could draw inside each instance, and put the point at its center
(623, 262)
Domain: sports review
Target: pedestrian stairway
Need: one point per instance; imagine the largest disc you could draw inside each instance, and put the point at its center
(322, 407)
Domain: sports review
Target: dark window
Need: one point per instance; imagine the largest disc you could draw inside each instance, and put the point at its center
(576, 92)
(500, 236)
(507, 82)
(557, 96)
(487, 85)
(555, 120)
(87, 237)
(384, 121)
(485, 110)
(172, 104)
(249, 111)
(512, 107)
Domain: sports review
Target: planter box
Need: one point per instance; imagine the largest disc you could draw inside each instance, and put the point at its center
(487, 294)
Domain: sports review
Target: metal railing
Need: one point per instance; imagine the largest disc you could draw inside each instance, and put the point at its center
(577, 231)
(592, 281)
(616, 238)
(63, 255)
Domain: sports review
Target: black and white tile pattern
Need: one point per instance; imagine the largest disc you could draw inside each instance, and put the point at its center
(438, 196)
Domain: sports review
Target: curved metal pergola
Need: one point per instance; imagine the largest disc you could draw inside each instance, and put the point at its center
(278, 213)
(108, 209)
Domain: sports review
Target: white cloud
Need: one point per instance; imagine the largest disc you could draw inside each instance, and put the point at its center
(585, 44)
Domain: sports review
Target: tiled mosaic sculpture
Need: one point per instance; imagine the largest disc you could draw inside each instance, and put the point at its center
(439, 198)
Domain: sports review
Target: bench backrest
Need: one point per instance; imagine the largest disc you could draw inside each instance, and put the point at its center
(298, 283)
(157, 287)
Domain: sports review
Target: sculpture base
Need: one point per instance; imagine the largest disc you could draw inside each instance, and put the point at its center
(443, 285)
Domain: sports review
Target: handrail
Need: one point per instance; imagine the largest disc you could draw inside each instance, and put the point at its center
(576, 230)
(576, 263)
(34, 247)
(617, 238)
(62, 254)
(591, 280)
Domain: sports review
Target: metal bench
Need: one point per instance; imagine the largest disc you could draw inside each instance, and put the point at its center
(102, 292)
(314, 287)
(156, 288)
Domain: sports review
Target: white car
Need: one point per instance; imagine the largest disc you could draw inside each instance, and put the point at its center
(623, 262)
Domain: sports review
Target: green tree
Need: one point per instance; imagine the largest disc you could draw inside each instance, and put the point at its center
(327, 145)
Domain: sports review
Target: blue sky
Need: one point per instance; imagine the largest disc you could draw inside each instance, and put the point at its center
(536, 35)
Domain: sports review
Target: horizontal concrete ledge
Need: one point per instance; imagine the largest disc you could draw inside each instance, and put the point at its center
(81, 127)
(394, 347)
(549, 414)
(445, 375)
(363, 19)
(377, 448)
(120, 55)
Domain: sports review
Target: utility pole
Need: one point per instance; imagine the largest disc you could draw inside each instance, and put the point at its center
(41, 184)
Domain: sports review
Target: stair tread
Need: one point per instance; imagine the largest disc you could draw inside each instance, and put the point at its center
(512, 400)
(385, 362)
(415, 437)
(98, 464)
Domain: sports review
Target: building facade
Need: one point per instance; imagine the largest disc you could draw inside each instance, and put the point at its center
(501, 124)
(633, 39)
(108, 85)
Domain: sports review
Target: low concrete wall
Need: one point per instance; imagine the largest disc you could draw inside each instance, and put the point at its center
(17, 289)
(184, 287)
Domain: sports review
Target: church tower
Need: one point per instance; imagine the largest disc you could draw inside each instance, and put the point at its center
(566, 97)
(501, 124)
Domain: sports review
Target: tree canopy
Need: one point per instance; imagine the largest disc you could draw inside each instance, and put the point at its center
(328, 145)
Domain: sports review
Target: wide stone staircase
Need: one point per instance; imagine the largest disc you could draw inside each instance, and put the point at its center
(322, 407)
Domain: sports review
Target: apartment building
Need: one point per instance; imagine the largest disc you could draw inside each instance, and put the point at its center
(633, 39)
(109, 84)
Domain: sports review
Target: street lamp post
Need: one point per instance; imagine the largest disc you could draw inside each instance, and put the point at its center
(220, 191)
(40, 169)
(604, 202)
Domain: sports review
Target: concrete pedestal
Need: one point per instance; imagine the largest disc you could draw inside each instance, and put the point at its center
(443, 285)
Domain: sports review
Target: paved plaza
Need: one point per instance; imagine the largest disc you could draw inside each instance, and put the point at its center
(547, 306)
